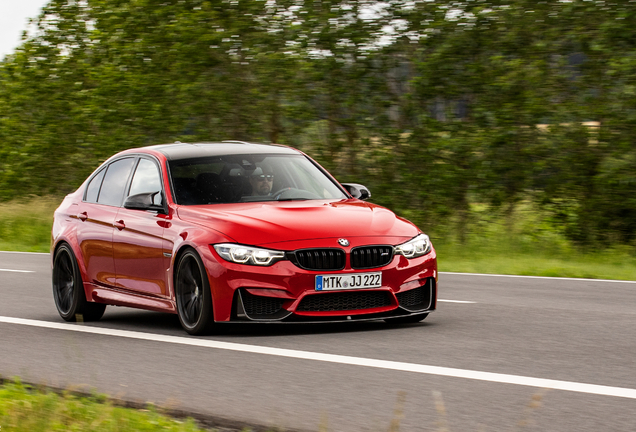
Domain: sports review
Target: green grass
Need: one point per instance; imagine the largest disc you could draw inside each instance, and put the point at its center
(26, 409)
(26, 225)
(529, 245)
(609, 264)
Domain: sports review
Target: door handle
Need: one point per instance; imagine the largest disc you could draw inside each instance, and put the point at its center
(83, 216)
(120, 225)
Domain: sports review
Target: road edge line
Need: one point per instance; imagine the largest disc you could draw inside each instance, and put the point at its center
(538, 277)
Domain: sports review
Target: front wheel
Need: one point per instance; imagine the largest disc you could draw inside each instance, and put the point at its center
(68, 289)
(192, 292)
(411, 319)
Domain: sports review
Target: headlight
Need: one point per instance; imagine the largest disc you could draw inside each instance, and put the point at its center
(417, 246)
(248, 255)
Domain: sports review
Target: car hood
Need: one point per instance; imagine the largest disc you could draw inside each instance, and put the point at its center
(265, 223)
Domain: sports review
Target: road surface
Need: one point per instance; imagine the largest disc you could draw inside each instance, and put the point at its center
(490, 349)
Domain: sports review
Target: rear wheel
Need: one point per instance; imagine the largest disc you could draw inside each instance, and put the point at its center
(192, 292)
(68, 289)
(411, 319)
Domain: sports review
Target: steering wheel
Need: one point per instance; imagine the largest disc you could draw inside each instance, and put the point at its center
(277, 195)
(292, 193)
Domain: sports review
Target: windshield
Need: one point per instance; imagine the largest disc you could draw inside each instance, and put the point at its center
(249, 178)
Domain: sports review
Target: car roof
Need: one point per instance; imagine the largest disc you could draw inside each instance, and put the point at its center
(178, 150)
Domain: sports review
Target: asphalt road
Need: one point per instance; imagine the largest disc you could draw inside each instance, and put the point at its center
(578, 331)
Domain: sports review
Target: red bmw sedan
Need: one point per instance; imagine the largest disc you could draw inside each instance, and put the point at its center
(236, 232)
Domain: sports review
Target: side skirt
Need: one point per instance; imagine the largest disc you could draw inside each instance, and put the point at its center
(115, 297)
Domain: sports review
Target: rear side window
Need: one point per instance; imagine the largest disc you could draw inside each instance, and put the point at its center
(92, 191)
(112, 191)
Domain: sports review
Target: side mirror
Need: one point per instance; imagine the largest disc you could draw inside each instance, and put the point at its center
(145, 201)
(357, 190)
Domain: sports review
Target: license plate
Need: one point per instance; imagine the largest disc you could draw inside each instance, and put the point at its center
(348, 281)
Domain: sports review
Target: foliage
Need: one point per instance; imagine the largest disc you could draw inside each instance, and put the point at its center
(433, 104)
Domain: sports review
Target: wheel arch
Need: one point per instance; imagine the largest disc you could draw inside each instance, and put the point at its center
(79, 308)
(199, 240)
(206, 319)
(78, 261)
(183, 248)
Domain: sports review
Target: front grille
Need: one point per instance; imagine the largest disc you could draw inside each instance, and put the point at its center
(366, 257)
(257, 305)
(415, 299)
(344, 301)
(319, 259)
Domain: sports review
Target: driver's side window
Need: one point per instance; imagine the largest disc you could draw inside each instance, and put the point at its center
(146, 179)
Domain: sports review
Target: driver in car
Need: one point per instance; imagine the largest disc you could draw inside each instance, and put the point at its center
(261, 181)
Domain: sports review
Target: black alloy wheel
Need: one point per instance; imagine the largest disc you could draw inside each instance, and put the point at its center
(411, 319)
(192, 292)
(68, 289)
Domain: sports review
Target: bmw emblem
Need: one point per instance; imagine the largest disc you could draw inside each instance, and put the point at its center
(343, 242)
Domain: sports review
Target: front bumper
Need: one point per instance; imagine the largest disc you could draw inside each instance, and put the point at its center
(358, 305)
(284, 292)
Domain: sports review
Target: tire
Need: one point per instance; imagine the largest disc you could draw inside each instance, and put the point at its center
(193, 296)
(68, 289)
(411, 319)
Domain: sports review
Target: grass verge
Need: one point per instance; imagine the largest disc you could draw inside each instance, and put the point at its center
(528, 246)
(26, 225)
(27, 409)
(608, 264)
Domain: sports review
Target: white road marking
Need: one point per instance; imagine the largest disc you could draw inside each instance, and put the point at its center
(340, 359)
(17, 271)
(32, 253)
(539, 277)
(455, 301)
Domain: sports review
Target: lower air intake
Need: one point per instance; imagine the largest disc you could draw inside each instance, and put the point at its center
(260, 306)
(344, 301)
(416, 299)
